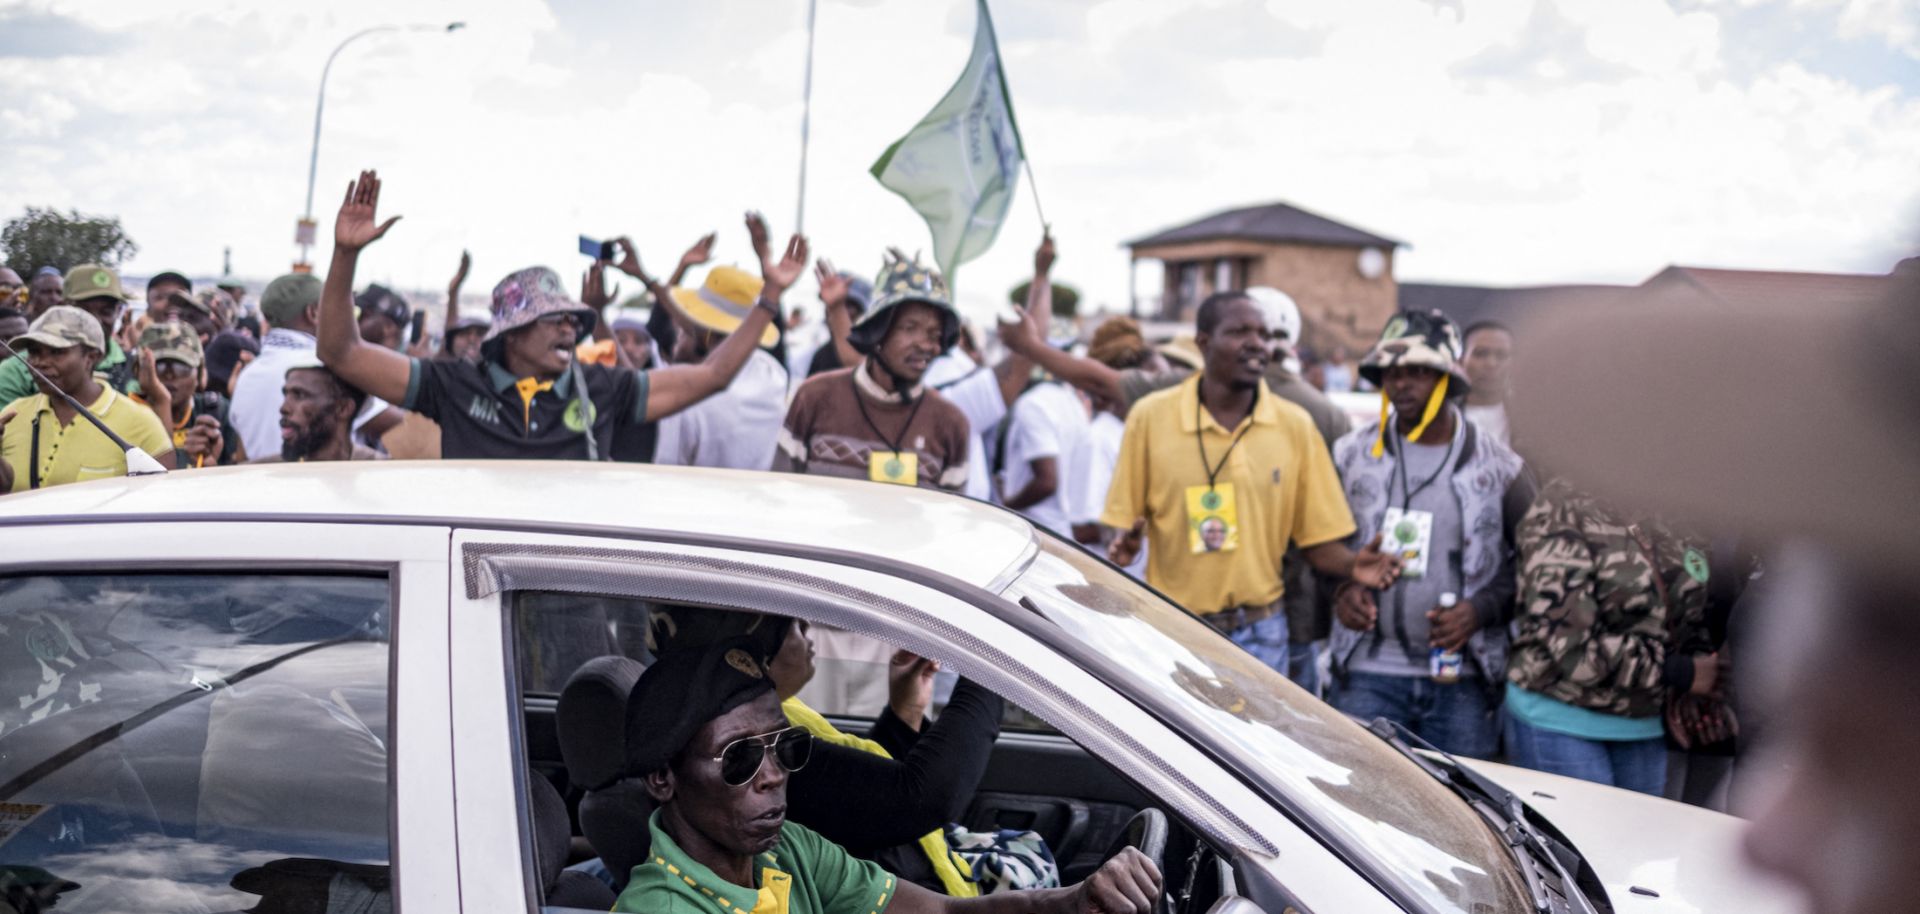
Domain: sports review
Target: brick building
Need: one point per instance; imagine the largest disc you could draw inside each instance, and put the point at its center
(1341, 276)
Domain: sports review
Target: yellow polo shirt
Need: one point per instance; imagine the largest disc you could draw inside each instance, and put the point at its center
(1284, 488)
(78, 452)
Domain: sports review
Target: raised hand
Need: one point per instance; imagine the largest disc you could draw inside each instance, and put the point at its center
(701, 252)
(593, 287)
(355, 227)
(1044, 255)
(910, 686)
(629, 262)
(460, 276)
(780, 276)
(833, 286)
(758, 234)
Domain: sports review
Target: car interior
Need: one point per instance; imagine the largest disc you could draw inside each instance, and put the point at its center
(579, 656)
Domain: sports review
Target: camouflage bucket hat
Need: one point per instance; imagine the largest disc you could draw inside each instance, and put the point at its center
(528, 295)
(91, 280)
(212, 302)
(62, 327)
(173, 340)
(901, 281)
(1423, 339)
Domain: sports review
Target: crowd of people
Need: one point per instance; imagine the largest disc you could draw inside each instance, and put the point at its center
(1413, 566)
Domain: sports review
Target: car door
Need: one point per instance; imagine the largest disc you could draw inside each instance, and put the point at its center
(928, 614)
(220, 715)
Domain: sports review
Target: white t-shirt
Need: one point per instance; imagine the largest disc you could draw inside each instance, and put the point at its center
(1492, 420)
(1050, 421)
(736, 428)
(976, 391)
(255, 412)
(1103, 447)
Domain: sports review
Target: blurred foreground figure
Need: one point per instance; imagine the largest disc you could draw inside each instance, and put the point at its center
(1796, 425)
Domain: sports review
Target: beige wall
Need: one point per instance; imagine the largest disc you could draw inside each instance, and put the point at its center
(1337, 304)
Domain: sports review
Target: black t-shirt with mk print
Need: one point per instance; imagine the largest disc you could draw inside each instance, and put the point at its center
(483, 412)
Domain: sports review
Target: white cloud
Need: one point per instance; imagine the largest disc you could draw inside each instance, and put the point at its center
(1509, 140)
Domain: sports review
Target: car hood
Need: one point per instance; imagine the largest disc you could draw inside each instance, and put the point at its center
(1690, 857)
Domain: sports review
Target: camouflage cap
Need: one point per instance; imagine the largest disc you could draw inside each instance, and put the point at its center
(287, 296)
(91, 280)
(173, 340)
(62, 327)
(1423, 339)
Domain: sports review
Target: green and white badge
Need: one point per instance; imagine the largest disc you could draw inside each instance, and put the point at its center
(1409, 535)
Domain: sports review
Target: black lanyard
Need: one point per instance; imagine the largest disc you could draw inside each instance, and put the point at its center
(1400, 469)
(861, 401)
(1200, 435)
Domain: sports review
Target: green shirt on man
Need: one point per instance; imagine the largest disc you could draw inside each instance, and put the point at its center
(803, 874)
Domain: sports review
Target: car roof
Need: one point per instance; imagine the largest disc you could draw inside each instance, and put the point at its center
(959, 537)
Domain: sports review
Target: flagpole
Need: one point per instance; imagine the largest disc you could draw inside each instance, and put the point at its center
(806, 123)
(1034, 187)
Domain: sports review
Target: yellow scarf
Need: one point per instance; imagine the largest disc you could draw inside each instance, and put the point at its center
(1434, 403)
(528, 387)
(953, 872)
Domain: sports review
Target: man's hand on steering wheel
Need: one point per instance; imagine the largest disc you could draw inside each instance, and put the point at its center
(1128, 883)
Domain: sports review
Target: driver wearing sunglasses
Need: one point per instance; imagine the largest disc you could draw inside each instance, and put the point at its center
(705, 733)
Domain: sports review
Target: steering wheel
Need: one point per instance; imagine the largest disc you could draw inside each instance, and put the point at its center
(1146, 832)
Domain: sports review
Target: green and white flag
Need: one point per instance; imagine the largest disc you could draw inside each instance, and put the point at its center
(959, 165)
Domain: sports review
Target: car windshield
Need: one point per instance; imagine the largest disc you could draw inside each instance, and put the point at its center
(1405, 828)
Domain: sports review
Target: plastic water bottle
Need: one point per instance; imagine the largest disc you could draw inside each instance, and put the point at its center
(1443, 665)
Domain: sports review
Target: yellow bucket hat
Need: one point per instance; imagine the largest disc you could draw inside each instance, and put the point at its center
(723, 302)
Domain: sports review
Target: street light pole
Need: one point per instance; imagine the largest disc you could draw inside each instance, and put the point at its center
(304, 230)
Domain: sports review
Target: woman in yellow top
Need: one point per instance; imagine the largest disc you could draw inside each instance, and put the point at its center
(887, 796)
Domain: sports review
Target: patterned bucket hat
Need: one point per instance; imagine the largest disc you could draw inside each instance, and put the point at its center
(173, 340)
(91, 280)
(901, 281)
(1425, 339)
(63, 327)
(528, 295)
(212, 302)
(724, 301)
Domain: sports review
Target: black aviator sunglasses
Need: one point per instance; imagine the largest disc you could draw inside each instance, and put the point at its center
(742, 758)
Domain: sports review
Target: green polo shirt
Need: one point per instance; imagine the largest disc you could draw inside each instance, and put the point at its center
(803, 874)
(16, 381)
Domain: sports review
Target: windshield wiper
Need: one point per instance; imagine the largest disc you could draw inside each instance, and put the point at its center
(1548, 864)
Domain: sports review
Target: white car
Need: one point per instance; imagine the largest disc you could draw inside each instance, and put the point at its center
(334, 685)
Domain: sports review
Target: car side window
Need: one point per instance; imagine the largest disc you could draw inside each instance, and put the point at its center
(555, 633)
(195, 742)
(851, 679)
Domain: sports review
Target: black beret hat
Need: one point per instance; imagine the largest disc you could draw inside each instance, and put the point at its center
(682, 691)
(674, 628)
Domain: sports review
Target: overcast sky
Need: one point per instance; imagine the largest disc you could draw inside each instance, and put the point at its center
(1508, 141)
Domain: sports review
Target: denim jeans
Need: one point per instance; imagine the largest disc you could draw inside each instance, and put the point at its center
(1456, 717)
(1639, 764)
(1266, 640)
(1303, 665)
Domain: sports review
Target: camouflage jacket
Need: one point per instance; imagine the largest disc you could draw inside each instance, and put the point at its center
(1592, 628)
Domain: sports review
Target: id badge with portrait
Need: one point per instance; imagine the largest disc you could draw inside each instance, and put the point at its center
(1213, 522)
(901, 468)
(1409, 535)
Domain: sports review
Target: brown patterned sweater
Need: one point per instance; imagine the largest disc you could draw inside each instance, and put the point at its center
(827, 433)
